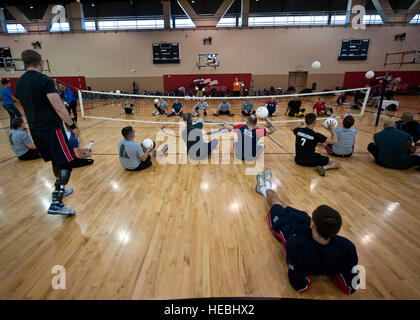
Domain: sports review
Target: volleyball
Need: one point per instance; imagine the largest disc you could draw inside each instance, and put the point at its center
(156, 101)
(211, 58)
(261, 112)
(328, 121)
(370, 74)
(117, 91)
(316, 65)
(147, 143)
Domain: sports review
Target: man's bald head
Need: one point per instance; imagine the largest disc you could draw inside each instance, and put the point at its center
(389, 124)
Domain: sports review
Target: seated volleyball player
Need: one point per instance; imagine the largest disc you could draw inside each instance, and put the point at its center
(307, 140)
(310, 246)
(393, 148)
(133, 156)
(128, 108)
(272, 108)
(201, 105)
(224, 108)
(247, 147)
(20, 141)
(294, 110)
(345, 139)
(82, 157)
(160, 107)
(409, 125)
(176, 109)
(192, 135)
(247, 108)
(342, 99)
(321, 108)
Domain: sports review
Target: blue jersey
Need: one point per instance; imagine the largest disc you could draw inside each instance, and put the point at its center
(271, 106)
(177, 107)
(6, 95)
(70, 96)
(305, 256)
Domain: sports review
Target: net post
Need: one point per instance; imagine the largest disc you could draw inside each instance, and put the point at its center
(365, 102)
(82, 110)
(378, 115)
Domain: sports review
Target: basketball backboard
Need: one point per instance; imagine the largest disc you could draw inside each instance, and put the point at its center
(13, 65)
(208, 60)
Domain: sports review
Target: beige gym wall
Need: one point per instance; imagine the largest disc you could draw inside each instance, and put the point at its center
(106, 58)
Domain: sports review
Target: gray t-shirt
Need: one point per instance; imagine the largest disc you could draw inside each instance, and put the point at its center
(18, 140)
(248, 106)
(163, 105)
(201, 105)
(129, 152)
(224, 106)
(345, 137)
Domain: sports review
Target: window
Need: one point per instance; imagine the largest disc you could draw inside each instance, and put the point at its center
(130, 24)
(372, 19)
(184, 23)
(288, 20)
(90, 25)
(227, 22)
(416, 19)
(60, 27)
(338, 19)
(15, 28)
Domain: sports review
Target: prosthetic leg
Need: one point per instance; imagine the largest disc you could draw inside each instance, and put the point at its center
(62, 178)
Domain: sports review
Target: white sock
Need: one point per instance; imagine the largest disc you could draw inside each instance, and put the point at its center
(268, 185)
(263, 190)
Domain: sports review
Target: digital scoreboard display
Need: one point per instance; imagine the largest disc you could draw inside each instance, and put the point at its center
(354, 49)
(165, 53)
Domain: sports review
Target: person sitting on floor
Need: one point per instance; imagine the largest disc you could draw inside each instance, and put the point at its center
(160, 106)
(321, 108)
(409, 125)
(176, 109)
(272, 107)
(393, 148)
(310, 245)
(294, 110)
(82, 157)
(20, 141)
(247, 108)
(224, 108)
(201, 105)
(128, 108)
(345, 139)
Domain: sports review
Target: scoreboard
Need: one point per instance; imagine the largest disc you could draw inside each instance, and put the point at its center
(166, 53)
(354, 49)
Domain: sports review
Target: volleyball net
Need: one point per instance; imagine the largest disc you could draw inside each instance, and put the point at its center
(112, 105)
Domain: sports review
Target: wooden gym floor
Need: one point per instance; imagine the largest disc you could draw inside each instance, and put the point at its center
(186, 231)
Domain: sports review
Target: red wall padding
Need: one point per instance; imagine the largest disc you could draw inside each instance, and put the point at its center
(74, 83)
(409, 79)
(225, 81)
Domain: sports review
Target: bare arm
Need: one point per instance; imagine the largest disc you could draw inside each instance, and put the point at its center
(61, 110)
(228, 126)
(82, 153)
(14, 99)
(270, 126)
(333, 138)
(146, 154)
(30, 146)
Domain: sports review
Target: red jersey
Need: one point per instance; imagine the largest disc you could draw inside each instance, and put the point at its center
(319, 107)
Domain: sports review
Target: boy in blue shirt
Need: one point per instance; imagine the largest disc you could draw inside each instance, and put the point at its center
(9, 101)
(176, 109)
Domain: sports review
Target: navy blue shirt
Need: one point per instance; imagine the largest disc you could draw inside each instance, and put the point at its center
(305, 256)
(177, 107)
(393, 152)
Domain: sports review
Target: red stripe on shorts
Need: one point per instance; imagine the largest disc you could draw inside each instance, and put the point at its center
(63, 145)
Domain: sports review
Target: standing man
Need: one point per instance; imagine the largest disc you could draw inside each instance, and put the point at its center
(252, 88)
(9, 101)
(236, 88)
(45, 113)
(135, 88)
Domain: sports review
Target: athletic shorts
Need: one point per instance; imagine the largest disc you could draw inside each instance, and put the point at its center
(312, 160)
(143, 164)
(53, 145)
(224, 112)
(285, 223)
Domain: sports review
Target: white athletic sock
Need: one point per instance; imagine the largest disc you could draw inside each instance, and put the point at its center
(263, 190)
(268, 185)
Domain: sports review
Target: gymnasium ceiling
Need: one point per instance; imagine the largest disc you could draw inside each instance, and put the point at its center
(35, 9)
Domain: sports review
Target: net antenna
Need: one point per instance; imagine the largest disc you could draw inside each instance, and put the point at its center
(15, 64)
(402, 58)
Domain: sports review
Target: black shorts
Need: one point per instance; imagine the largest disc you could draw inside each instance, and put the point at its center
(224, 112)
(312, 160)
(143, 165)
(53, 145)
(128, 110)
